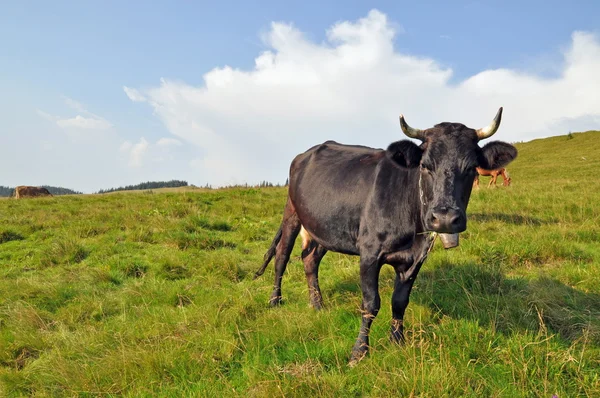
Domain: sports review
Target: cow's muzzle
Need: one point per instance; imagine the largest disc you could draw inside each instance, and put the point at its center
(446, 220)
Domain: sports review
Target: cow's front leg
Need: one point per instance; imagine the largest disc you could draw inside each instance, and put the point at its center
(405, 278)
(371, 302)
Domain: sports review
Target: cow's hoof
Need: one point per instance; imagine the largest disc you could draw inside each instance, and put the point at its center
(397, 338)
(275, 301)
(317, 305)
(359, 351)
(397, 332)
(356, 357)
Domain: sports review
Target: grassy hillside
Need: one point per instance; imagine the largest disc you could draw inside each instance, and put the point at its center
(152, 294)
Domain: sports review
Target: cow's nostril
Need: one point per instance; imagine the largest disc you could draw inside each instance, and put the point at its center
(434, 220)
(455, 220)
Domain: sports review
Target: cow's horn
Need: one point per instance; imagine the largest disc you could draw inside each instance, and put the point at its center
(409, 131)
(488, 131)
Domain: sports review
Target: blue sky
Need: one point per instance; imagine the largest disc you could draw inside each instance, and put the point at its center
(60, 60)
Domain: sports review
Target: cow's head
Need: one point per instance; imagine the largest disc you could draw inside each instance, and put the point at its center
(447, 159)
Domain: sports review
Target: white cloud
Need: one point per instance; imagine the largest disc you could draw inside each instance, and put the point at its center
(80, 122)
(46, 116)
(248, 124)
(78, 106)
(88, 122)
(134, 94)
(168, 142)
(125, 146)
(158, 152)
(137, 153)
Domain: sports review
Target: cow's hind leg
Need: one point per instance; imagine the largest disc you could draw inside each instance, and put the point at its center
(312, 253)
(290, 228)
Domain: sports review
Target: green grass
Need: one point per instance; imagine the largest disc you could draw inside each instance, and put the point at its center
(151, 294)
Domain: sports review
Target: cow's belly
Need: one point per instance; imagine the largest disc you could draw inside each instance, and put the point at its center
(336, 230)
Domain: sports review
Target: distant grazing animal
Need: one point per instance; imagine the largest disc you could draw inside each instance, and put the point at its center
(494, 174)
(383, 205)
(24, 191)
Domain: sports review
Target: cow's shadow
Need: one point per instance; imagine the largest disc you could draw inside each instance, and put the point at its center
(483, 294)
(514, 219)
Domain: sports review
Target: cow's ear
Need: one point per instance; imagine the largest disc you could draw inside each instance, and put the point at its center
(405, 153)
(496, 154)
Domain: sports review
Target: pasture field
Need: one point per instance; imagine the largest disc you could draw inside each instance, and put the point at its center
(151, 294)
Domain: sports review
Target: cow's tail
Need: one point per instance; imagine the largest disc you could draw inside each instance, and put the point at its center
(270, 253)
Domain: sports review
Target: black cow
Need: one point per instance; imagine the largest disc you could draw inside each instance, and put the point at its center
(384, 205)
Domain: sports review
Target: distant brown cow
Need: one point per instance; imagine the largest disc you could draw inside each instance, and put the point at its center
(24, 191)
(494, 174)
